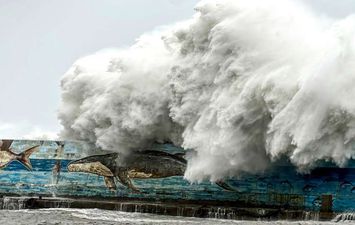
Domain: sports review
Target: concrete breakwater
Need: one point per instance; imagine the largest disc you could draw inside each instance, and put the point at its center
(187, 209)
(66, 175)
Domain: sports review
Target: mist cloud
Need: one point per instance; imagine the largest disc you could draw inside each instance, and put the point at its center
(242, 84)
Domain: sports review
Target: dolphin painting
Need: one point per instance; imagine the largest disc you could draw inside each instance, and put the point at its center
(142, 165)
(7, 156)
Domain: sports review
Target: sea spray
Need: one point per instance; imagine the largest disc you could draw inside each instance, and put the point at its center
(241, 84)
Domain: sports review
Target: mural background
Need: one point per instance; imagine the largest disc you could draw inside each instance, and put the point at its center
(282, 186)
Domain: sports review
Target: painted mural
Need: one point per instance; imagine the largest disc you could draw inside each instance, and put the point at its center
(72, 169)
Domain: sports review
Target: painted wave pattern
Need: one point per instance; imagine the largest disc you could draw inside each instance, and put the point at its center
(282, 186)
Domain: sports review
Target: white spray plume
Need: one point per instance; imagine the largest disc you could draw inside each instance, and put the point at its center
(242, 83)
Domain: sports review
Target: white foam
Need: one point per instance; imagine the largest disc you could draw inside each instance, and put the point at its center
(242, 83)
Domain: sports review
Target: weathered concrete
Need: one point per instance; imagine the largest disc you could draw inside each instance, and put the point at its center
(189, 209)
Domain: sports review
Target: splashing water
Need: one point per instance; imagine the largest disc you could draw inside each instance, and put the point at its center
(242, 83)
(104, 217)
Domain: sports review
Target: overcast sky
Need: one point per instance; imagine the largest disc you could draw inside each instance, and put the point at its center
(40, 39)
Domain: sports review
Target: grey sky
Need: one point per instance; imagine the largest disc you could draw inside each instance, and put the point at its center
(332, 8)
(40, 39)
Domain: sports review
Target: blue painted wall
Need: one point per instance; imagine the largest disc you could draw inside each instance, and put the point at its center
(282, 186)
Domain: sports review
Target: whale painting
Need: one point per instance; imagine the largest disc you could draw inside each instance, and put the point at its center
(7, 156)
(140, 165)
(72, 169)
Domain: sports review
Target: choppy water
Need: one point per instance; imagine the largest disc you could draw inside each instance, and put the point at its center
(105, 217)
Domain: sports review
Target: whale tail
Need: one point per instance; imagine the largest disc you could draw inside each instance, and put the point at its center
(23, 157)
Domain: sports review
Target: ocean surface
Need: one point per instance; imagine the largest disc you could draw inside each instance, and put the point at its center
(60, 216)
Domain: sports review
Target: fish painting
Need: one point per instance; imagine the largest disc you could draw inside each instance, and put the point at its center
(7, 155)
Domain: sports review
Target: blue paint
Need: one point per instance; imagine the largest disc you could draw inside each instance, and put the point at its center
(282, 186)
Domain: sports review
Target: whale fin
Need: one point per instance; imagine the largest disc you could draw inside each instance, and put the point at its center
(124, 179)
(164, 154)
(180, 154)
(5, 145)
(226, 186)
(23, 157)
(110, 183)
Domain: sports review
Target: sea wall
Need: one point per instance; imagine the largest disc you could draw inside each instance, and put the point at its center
(326, 189)
(187, 209)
